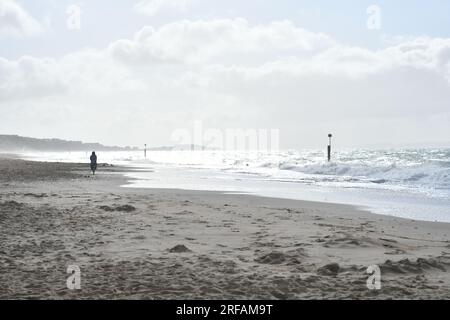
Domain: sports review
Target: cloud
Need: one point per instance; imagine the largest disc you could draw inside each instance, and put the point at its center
(153, 7)
(15, 21)
(225, 41)
(230, 73)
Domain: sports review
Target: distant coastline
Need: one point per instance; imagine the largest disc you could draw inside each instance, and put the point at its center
(18, 143)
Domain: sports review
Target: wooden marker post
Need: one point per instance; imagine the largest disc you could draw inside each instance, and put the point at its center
(329, 147)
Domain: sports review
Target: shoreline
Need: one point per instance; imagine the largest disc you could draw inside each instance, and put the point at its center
(175, 244)
(405, 203)
(408, 204)
(124, 182)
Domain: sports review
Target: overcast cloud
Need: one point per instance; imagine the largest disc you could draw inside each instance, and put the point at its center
(228, 73)
(15, 21)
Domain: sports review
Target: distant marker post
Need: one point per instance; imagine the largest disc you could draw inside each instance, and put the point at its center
(145, 150)
(329, 146)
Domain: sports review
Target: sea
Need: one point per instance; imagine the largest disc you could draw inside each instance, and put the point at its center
(407, 183)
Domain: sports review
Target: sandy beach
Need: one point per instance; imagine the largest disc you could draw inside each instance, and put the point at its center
(174, 244)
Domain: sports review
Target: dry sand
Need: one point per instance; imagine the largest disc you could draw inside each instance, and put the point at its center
(173, 244)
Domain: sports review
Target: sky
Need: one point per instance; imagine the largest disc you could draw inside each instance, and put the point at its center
(374, 73)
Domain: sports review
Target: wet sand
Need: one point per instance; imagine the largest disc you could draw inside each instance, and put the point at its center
(174, 244)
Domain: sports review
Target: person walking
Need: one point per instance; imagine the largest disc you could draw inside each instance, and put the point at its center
(93, 162)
